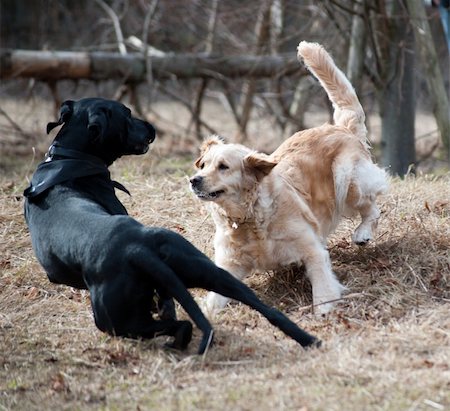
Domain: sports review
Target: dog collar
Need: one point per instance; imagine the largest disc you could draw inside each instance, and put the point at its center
(55, 150)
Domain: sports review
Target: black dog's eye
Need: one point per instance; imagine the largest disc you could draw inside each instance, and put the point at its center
(223, 166)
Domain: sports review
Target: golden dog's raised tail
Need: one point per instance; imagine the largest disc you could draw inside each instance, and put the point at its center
(347, 108)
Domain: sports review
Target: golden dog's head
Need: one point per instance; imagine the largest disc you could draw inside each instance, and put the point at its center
(227, 171)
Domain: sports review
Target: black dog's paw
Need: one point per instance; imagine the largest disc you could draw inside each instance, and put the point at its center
(316, 343)
(207, 340)
(182, 336)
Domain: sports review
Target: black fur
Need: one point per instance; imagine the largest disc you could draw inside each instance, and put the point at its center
(83, 237)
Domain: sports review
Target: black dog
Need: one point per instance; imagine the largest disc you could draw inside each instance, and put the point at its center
(83, 237)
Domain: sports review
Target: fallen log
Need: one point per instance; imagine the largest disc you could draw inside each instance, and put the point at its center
(59, 65)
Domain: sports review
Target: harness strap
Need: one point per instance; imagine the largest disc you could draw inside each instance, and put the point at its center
(43, 182)
(69, 153)
(121, 187)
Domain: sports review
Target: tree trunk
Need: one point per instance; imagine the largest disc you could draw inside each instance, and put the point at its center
(357, 46)
(200, 92)
(429, 58)
(60, 65)
(397, 99)
(299, 105)
(262, 32)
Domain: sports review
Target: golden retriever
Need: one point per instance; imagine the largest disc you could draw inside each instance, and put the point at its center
(278, 209)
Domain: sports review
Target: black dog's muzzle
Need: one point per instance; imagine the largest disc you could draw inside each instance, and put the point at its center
(140, 135)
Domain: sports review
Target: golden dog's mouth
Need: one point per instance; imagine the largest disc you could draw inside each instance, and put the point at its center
(197, 186)
(203, 195)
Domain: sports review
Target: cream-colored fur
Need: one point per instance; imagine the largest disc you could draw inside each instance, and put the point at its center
(278, 209)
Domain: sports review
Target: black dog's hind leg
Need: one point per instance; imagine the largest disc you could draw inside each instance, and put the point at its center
(197, 270)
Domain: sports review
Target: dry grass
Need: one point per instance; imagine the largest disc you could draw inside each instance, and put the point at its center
(386, 347)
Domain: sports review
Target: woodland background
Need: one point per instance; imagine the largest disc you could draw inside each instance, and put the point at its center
(401, 82)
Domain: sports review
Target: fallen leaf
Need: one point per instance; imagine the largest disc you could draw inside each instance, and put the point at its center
(58, 383)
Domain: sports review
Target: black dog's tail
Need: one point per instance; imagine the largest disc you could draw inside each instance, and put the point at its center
(196, 270)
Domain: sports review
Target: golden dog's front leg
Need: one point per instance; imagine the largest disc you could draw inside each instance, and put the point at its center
(325, 286)
(214, 302)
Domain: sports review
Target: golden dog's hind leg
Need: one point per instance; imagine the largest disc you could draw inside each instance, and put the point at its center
(369, 183)
(366, 230)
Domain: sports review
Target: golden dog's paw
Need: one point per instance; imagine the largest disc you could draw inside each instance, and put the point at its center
(323, 308)
(213, 304)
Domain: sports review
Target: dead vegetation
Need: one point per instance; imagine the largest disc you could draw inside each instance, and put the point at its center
(386, 347)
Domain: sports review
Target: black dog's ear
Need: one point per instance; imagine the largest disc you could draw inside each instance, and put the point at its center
(65, 113)
(97, 122)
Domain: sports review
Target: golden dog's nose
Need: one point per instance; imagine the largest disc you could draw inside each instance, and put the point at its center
(196, 181)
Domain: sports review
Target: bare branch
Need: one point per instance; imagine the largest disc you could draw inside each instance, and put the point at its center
(212, 23)
(16, 127)
(352, 11)
(116, 23)
(196, 112)
(148, 61)
(262, 31)
(188, 105)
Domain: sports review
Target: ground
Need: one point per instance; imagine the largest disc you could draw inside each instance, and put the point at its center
(385, 347)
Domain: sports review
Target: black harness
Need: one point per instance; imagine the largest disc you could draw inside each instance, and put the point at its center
(71, 165)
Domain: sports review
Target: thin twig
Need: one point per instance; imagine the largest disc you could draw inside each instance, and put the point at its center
(148, 61)
(16, 127)
(111, 13)
(187, 104)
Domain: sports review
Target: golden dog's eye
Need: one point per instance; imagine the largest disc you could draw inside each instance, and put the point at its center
(201, 166)
(223, 166)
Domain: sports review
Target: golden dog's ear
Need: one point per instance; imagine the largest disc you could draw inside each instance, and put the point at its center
(259, 163)
(210, 141)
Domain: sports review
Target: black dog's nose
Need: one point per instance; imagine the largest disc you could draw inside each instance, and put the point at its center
(196, 181)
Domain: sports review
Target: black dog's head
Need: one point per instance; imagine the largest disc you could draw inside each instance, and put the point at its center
(102, 128)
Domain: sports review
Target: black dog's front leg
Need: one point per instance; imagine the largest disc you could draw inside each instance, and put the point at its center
(182, 295)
